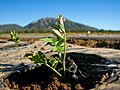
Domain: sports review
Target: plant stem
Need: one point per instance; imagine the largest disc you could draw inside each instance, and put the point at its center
(16, 45)
(54, 70)
(64, 68)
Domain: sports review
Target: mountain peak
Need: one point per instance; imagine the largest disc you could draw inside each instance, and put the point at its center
(45, 24)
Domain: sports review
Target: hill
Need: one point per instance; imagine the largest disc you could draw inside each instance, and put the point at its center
(45, 24)
(10, 27)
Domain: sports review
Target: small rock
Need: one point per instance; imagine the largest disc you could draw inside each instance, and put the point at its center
(78, 87)
(42, 48)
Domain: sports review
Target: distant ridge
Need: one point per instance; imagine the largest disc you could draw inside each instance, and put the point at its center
(10, 27)
(44, 25)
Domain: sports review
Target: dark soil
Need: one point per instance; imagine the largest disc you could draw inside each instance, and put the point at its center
(43, 78)
(94, 43)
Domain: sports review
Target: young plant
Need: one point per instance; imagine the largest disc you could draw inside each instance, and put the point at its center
(40, 58)
(59, 44)
(15, 38)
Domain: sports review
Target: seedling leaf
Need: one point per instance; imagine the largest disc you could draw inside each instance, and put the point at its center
(37, 58)
(42, 57)
(34, 58)
(53, 62)
(57, 33)
(60, 42)
(50, 41)
(15, 38)
(58, 48)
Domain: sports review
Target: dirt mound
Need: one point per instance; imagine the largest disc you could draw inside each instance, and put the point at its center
(104, 43)
(80, 74)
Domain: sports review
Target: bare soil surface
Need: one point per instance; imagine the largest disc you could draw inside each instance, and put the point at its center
(100, 43)
(41, 78)
(94, 41)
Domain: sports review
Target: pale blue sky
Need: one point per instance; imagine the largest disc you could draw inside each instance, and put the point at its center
(102, 14)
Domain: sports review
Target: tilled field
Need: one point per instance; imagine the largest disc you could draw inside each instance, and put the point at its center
(94, 41)
(12, 57)
(103, 43)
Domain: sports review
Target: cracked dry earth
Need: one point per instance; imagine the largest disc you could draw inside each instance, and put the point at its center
(11, 58)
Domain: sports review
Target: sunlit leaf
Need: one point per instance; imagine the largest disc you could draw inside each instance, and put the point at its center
(29, 55)
(47, 39)
(34, 58)
(50, 41)
(57, 33)
(37, 58)
(61, 23)
(55, 27)
(14, 37)
(59, 16)
(58, 48)
(60, 42)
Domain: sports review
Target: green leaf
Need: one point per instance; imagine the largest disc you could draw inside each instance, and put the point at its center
(55, 48)
(29, 55)
(58, 48)
(14, 37)
(62, 28)
(37, 58)
(61, 23)
(57, 33)
(60, 42)
(55, 27)
(50, 41)
(34, 58)
(53, 62)
(47, 39)
(59, 16)
(42, 57)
